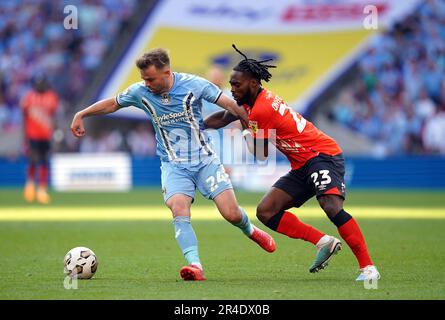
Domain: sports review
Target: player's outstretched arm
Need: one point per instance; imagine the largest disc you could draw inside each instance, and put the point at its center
(230, 105)
(219, 119)
(101, 107)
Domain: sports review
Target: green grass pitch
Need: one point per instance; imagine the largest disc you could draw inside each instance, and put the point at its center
(133, 237)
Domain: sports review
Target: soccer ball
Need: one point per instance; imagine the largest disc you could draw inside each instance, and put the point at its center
(80, 262)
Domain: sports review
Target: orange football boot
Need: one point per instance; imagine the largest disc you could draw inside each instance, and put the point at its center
(43, 196)
(192, 273)
(264, 240)
(29, 193)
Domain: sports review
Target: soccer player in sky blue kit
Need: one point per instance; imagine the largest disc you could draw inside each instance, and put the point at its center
(173, 102)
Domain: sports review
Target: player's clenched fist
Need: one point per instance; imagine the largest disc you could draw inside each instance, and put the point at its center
(77, 126)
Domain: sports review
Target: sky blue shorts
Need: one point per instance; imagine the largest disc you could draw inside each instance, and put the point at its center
(210, 179)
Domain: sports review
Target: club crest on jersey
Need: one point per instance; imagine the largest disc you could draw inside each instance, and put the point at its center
(165, 98)
(253, 125)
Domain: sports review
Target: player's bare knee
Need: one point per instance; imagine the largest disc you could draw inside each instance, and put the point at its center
(180, 208)
(330, 205)
(232, 214)
(264, 213)
(330, 209)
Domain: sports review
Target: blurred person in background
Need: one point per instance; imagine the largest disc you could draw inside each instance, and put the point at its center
(215, 75)
(39, 106)
(433, 135)
(33, 38)
(141, 141)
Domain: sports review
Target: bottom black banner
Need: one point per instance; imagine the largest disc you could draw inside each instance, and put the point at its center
(223, 309)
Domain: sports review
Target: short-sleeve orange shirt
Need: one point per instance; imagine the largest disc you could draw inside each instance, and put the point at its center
(297, 138)
(39, 109)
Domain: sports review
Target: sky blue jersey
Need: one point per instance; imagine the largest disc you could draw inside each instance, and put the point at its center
(176, 116)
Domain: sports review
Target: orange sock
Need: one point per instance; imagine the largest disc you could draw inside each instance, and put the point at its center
(351, 233)
(31, 172)
(292, 227)
(43, 181)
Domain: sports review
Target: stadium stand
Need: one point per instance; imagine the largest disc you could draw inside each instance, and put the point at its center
(33, 40)
(395, 102)
(395, 107)
(389, 103)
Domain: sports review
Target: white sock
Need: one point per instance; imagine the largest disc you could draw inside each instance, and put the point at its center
(197, 264)
(325, 239)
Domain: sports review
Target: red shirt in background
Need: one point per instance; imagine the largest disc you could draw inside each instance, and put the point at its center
(39, 109)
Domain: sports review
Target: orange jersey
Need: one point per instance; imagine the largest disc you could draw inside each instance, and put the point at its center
(298, 139)
(38, 109)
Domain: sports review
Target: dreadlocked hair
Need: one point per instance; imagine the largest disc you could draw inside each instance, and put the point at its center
(257, 69)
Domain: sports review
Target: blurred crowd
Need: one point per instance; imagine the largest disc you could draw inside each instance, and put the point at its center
(398, 101)
(34, 40)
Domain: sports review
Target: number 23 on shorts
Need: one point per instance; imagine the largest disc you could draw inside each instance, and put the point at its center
(324, 177)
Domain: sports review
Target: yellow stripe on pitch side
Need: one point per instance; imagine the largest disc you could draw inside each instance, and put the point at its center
(201, 213)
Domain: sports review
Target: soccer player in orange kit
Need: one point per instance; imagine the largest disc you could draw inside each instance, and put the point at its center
(317, 167)
(39, 106)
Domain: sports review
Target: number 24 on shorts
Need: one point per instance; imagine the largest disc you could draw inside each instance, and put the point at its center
(213, 181)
